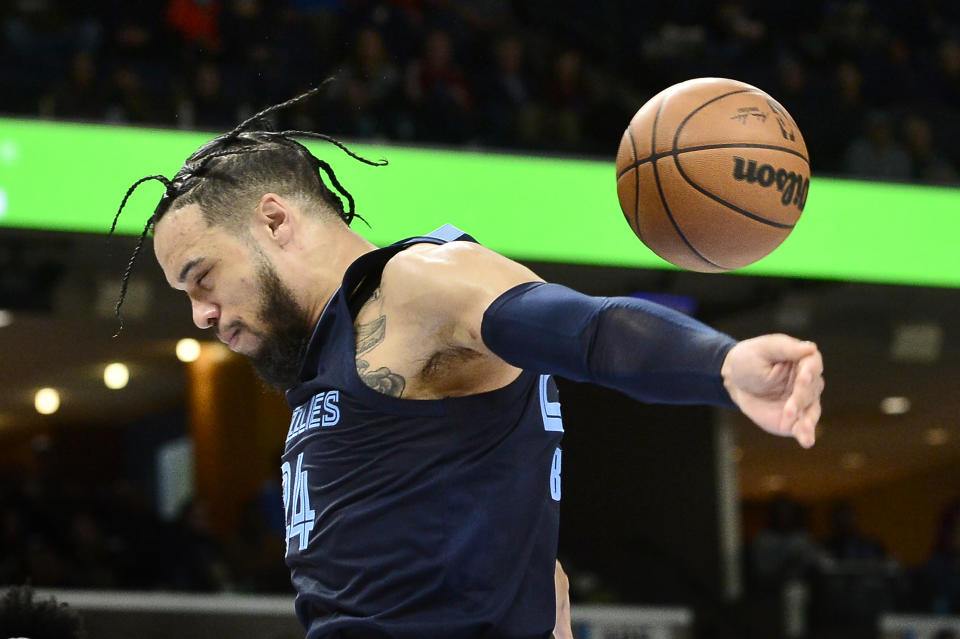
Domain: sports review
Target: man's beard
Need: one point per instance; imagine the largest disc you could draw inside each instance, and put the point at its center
(286, 333)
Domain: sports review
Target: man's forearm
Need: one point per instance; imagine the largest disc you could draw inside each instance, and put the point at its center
(645, 350)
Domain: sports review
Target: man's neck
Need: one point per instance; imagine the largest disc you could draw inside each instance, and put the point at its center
(330, 262)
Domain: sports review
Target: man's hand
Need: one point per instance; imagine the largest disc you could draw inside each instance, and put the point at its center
(776, 381)
(563, 628)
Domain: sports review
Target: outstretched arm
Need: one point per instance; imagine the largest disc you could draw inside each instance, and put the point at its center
(645, 350)
(482, 301)
(655, 354)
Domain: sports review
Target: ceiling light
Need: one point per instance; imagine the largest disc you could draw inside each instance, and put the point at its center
(918, 343)
(6, 318)
(774, 483)
(936, 436)
(895, 405)
(116, 375)
(188, 350)
(47, 401)
(853, 461)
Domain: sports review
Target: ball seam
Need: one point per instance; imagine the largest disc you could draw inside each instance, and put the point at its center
(663, 198)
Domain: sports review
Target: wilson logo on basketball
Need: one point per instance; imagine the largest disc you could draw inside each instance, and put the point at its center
(791, 185)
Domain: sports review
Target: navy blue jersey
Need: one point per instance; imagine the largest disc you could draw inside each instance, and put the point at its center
(418, 518)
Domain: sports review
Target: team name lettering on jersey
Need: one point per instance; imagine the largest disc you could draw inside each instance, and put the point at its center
(322, 411)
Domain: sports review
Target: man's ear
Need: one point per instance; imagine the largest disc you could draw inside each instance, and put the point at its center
(276, 217)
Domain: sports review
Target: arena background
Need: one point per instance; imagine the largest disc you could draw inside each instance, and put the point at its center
(170, 483)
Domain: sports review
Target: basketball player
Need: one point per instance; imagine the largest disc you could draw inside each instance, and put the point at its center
(421, 475)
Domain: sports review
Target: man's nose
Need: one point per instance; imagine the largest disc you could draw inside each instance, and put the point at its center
(205, 314)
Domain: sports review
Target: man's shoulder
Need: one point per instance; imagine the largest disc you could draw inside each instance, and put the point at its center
(434, 275)
(455, 279)
(426, 259)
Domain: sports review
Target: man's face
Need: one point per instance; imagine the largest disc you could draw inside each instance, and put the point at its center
(235, 289)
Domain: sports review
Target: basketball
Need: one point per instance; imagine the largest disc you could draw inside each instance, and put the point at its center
(712, 174)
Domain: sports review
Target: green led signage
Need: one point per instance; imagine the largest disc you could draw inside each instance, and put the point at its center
(71, 177)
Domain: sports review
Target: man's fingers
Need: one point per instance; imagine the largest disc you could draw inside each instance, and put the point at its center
(802, 409)
(780, 348)
(808, 384)
(788, 417)
(814, 361)
(805, 428)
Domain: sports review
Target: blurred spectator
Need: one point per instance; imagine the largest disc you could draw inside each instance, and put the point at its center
(44, 562)
(37, 39)
(196, 22)
(783, 549)
(674, 52)
(367, 90)
(90, 563)
(796, 91)
(44, 31)
(877, 153)
(322, 19)
(134, 34)
(245, 26)
(735, 19)
(128, 101)
(832, 133)
(846, 542)
(437, 89)
(13, 542)
(558, 88)
(929, 164)
(77, 536)
(132, 526)
(207, 105)
(79, 95)
(486, 17)
(851, 28)
(948, 72)
(894, 78)
(939, 577)
(509, 112)
(256, 554)
(744, 39)
(566, 101)
(193, 559)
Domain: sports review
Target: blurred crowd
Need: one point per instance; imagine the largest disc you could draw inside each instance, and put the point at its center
(108, 536)
(846, 578)
(59, 534)
(875, 89)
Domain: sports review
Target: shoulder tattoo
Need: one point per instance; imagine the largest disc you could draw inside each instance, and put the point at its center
(369, 335)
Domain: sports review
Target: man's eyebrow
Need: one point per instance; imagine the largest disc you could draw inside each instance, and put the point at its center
(186, 268)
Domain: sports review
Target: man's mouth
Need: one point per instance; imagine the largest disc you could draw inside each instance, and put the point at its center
(231, 339)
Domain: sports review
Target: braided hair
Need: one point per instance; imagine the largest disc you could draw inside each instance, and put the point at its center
(240, 166)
